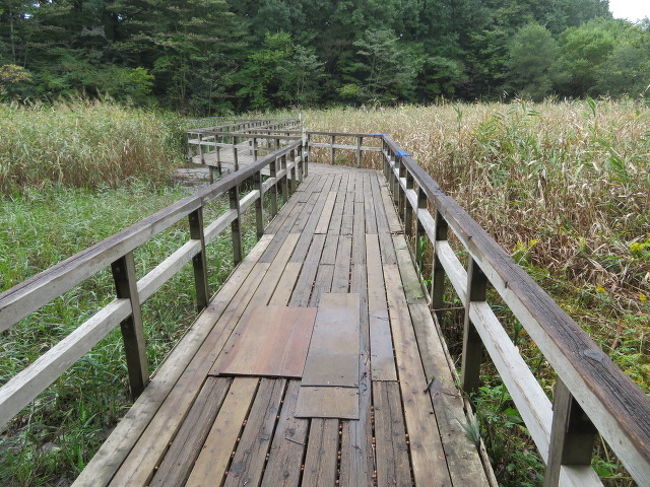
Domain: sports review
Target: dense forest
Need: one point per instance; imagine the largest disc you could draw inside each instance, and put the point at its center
(216, 56)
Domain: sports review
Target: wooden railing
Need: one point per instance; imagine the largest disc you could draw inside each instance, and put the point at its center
(592, 395)
(287, 166)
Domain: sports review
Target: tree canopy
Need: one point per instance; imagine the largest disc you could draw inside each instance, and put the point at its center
(215, 56)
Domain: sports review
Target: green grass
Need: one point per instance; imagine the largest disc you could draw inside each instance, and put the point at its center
(52, 439)
(86, 143)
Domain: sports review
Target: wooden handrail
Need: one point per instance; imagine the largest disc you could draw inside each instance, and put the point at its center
(618, 409)
(117, 251)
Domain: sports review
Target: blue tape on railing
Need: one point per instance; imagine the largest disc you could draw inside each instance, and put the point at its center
(402, 153)
(379, 135)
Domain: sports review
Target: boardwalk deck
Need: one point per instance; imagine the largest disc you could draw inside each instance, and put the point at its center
(334, 235)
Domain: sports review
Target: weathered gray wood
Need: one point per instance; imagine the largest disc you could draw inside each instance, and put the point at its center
(320, 460)
(333, 357)
(235, 225)
(199, 260)
(572, 436)
(126, 286)
(259, 206)
(472, 346)
(328, 402)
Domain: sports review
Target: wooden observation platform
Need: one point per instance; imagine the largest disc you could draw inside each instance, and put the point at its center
(321, 360)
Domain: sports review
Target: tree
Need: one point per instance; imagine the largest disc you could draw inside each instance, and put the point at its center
(385, 71)
(532, 61)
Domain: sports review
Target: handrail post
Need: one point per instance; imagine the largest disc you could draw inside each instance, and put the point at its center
(259, 206)
(395, 162)
(401, 193)
(437, 271)
(472, 346)
(201, 148)
(572, 435)
(235, 226)
(408, 209)
(126, 286)
(219, 167)
(359, 142)
(332, 150)
(235, 153)
(307, 154)
(199, 262)
(273, 170)
(254, 149)
(285, 179)
(293, 185)
(419, 230)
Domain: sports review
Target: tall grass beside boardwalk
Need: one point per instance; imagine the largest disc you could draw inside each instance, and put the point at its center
(86, 143)
(564, 187)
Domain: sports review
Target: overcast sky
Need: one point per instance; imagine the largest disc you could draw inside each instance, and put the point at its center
(630, 9)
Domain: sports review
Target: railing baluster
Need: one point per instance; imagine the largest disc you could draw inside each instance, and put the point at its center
(359, 142)
(285, 179)
(259, 206)
(235, 153)
(572, 435)
(437, 271)
(401, 193)
(235, 229)
(332, 150)
(126, 286)
(199, 261)
(472, 346)
(307, 154)
(254, 149)
(201, 148)
(293, 182)
(408, 209)
(274, 174)
(419, 231)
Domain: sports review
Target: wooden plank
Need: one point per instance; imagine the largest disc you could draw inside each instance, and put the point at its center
(322, 283)
(463, 459)
(383, 229)
(211, 464)
(393, 467)
(341, 276)
(302, 292)
(333, 357)
(394, 225)
(382, 361)
(326, 215)
(272, 342)
(320, 461)
(137, 468)
(328, 402)
(369, 205)
(427, 452)
(289, 440)
(114, 450)
(186, 446)
(248, 463)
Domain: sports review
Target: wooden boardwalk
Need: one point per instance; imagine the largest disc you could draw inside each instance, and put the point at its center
(338, 233)
(319, 361)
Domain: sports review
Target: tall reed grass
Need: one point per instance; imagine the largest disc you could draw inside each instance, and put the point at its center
(85, 143)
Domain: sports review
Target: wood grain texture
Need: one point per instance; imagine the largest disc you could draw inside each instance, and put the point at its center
(328, 402)
(333, 357)
(320, 461)
(271, 342)
(211, 464)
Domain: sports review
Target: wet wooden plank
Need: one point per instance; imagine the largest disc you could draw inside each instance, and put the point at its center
(289, 441)
(383, 230)
(211, 464)
(272, 342)
(320, 461)
(394, 225)
(185, 448)
(333, 357)
(341, 277)
(248, 463)
(427, 452)
(393, 466)
(382, 361)
(328, 402)
(369, 204)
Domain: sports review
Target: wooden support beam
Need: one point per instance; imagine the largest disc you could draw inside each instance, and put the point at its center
(273, 171)
(359, 141)
(199, 260)
(126, 286)
(285, 179)
(408, 209)
(419, 232)
(572, 436)
(235, 226)
(437, 271)
(472, 345)
(332, 149)
(259, 206)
